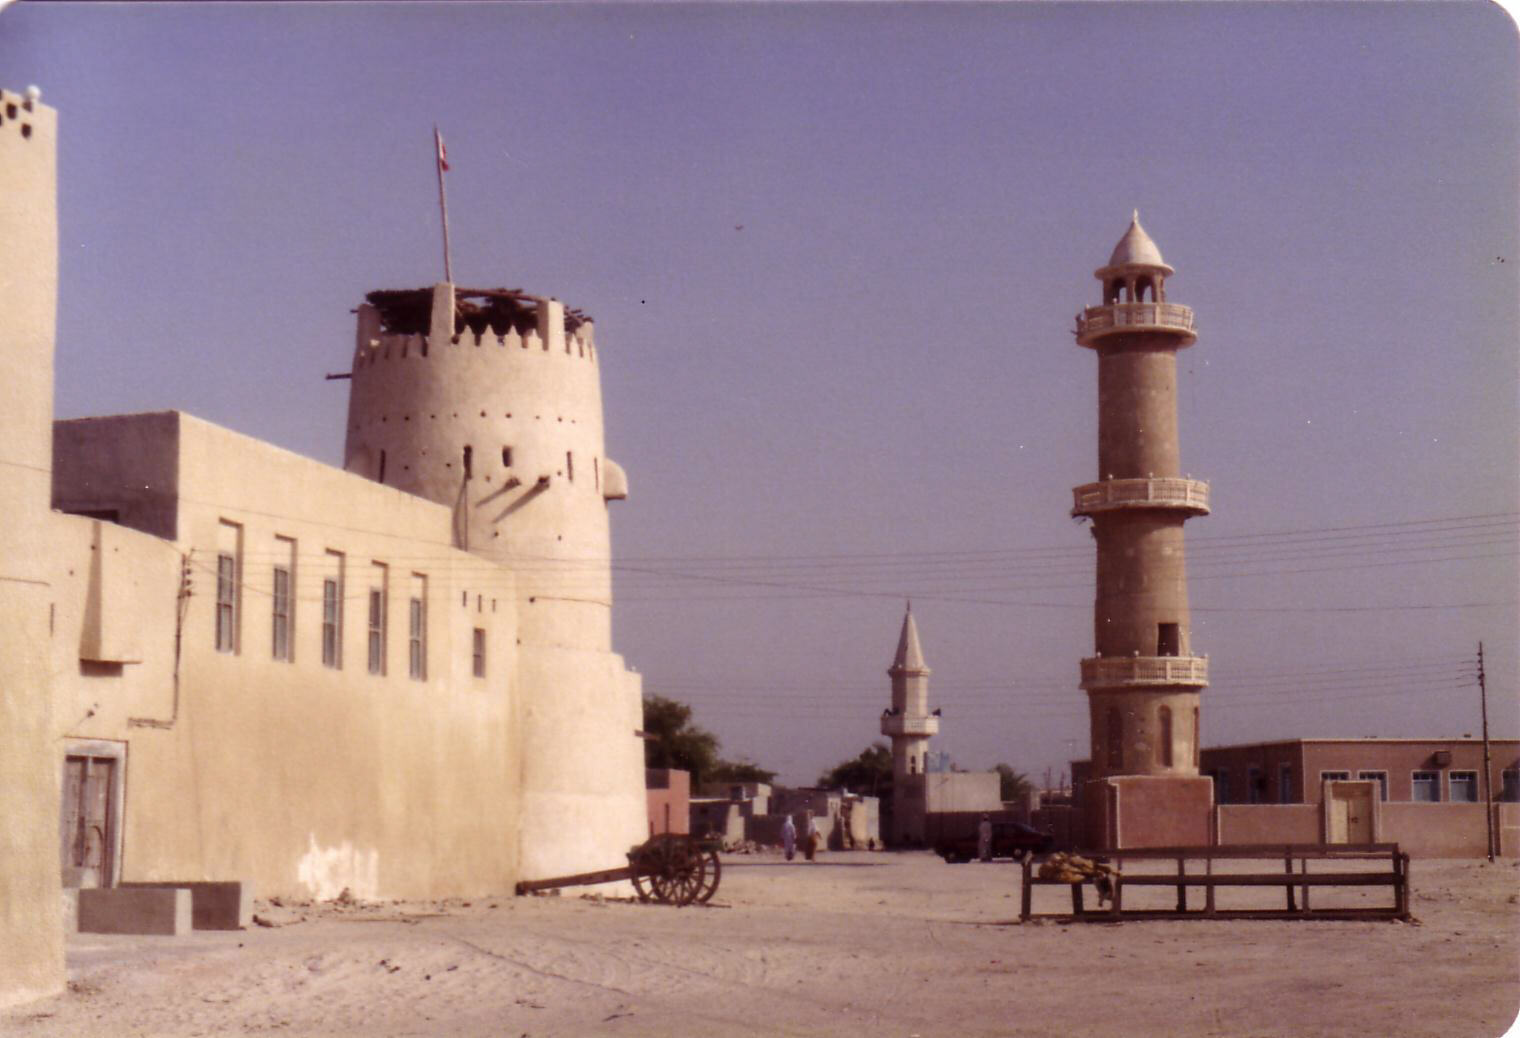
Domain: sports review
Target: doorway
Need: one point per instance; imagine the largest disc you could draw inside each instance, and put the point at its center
(89, 829)
(1348, 812)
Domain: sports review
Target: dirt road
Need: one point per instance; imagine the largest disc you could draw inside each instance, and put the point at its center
(856, 944)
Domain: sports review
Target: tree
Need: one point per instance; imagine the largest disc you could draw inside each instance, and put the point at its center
(1013, 785)
(869, 774)
(739, 771)
(677, 743)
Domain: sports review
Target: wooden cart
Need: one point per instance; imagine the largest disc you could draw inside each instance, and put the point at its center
(671, 869)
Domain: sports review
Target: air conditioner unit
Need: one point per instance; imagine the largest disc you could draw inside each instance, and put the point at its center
(1441, 758)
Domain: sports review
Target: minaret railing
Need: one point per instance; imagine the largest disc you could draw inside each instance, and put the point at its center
(1115, 317)
(1144, 671)
(1167, 492)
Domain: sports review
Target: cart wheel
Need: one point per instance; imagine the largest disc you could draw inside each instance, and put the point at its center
(671, 868)
(712, 874)
(643, 864)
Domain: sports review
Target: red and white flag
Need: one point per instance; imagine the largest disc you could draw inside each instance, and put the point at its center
(443, 154)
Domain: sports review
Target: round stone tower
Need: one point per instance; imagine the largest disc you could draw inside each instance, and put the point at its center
(489, 402)
(1144, 682)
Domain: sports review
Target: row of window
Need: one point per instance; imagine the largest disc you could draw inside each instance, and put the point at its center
(1424, 786)
(282, 609)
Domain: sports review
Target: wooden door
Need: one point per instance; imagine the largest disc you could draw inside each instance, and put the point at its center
(1348, 811)
(87, 826)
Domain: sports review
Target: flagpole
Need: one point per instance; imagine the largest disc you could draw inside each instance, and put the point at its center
(443, 202)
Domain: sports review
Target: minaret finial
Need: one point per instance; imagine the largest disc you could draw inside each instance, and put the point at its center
(1135, 216)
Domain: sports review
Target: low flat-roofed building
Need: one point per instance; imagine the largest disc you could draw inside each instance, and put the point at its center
(1293, 771)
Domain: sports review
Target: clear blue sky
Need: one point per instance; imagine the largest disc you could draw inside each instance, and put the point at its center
(833, 253)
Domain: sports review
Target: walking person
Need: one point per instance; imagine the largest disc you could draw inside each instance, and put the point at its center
(789, 837)
(813, 838)
(984, 839)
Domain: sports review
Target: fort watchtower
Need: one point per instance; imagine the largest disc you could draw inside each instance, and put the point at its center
(489, 402)
(1144, 681)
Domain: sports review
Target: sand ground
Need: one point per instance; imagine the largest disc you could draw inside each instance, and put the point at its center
(856, 944)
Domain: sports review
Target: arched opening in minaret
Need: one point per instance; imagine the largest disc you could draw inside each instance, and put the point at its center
(1165, 746)
(1197, 737)
(1144, 286)
(1113, 291)
(1115, 738)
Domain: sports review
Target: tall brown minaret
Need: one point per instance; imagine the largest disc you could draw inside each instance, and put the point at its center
(1143, 683)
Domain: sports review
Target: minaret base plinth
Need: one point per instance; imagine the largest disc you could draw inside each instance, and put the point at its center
(1127, 811)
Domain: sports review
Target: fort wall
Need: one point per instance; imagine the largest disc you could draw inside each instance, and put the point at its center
(302, 762)
(31, 941)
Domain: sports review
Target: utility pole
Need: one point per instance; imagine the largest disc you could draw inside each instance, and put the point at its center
(1488, 782)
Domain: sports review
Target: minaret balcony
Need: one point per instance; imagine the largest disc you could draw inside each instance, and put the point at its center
(901, 724)
(1108, 672)
(1096, 322)
(1188, 495)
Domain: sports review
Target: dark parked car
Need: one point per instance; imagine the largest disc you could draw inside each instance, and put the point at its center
(1009, 840)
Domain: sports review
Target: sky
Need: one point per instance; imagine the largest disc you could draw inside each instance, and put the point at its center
(834, 253)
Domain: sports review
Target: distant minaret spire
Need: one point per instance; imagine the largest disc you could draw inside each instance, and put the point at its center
(909, 724)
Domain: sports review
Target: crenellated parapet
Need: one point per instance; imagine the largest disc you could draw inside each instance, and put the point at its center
(18, 114)
(416, 323)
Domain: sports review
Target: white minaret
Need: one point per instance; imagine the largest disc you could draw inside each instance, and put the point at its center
(909, 724)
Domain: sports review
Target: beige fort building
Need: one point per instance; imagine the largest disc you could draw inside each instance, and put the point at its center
(226, 662)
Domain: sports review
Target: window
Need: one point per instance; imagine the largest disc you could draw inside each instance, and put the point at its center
(226, 603)
(281, 623)
(468, 461)
(506, 457)
(1381, 777)
(1221, 786)
(283, 604)
(1425, 785)
(570, 466)
(1256, 786)
(376, 631)
(1333, 776)
(1168, 640)
(332, 611)
(1165, 748)
(417, 633)
(1509, 790)
(1285, 784)
(478, 659)
(229, 578)
(1115, 738)
(1463, 786)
